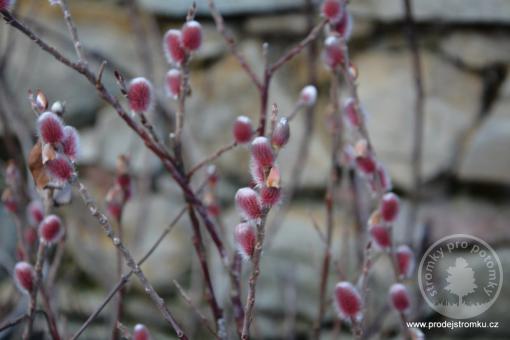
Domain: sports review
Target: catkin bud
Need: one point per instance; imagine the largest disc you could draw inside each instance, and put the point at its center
(51, 229)
(347, 300)
(50, 128)
(35, 213)
(9, 200)
(71, 142)
(60, 170)
(247, 201)
(389, 207)
(308, 95)
(192, 35)
(140, 332)
(399, 297)
(6, 5)
(333, 52)
(173, 83)
(140, 95)
(351, 113)
(262, 152)
(343, 27)
(405, 260)
(332, 10)
(381, 235)
(257, 173)
(270, 196)
(281, 133)
(242, 130)
(173, 48)
(24, 276)
(245, 236)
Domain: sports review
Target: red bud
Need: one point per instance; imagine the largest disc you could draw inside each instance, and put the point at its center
(35, 213)
(247, 201)
(60, 170)
(140, 95)
(308, 95)
(245, 236)
(24, 275)
(173, 83)
(333, 52)
(381, 235)
(332, 10)
(262, 152)
(192, 35)
(399, 297)
(343, 26)
(51, 229)
(281, 133)
(50, 128)
(71, 142)
(270, 196)
(348, 300)
(389, 207)
(405, 260)
(242, 130)
(172, 46)
(141, 332)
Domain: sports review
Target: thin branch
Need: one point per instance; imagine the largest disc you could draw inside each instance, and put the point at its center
(202, 317)
(314, 33)
(130, 262)
(33, 294)
(252, 282)
(125, 277)
(211, 158)
(419, 115)
(231, 43)
(13, 322)
(72, 30)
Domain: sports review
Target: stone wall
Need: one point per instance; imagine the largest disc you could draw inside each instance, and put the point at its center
(465, 46)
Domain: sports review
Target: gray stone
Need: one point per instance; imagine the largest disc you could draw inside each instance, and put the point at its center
(113, 137)
(486, 157)
(489, 11)
(387, 94)
(96, 256)
(477, 49)
(226, 7)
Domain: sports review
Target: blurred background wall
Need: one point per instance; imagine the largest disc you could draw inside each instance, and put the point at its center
(465, 46)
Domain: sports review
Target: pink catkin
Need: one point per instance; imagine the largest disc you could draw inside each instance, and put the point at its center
(173, 48)
(51, 229)
(173, 82)
(245, 237)
(262, 152)
(389, 207)
(242, 129)
(399, 297)
(281, 133)
(71, 142)
(6, 5)
(308, 95)
(348, 300)
(405, 260)
(343, 27)
(50, 128)
(35, 213)
(351, 113)
(140, 332)
(247, 201)
(381, 235)
(24, 275)
(140, 95)
(270, 196)
(191, 35)
(332, 10)
(257, 173)
(333, 52)
(60, 169)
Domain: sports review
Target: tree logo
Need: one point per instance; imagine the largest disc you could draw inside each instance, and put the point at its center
(460, 276)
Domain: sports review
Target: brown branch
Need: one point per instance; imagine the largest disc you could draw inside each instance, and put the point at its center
(130, 262)
(314, 33)
(202, 317)
(231, 43)
(125, 278)
(211, 158)
(33, 294)
(168, 161)
(419, 116)
(252, 282)
(72, 30)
